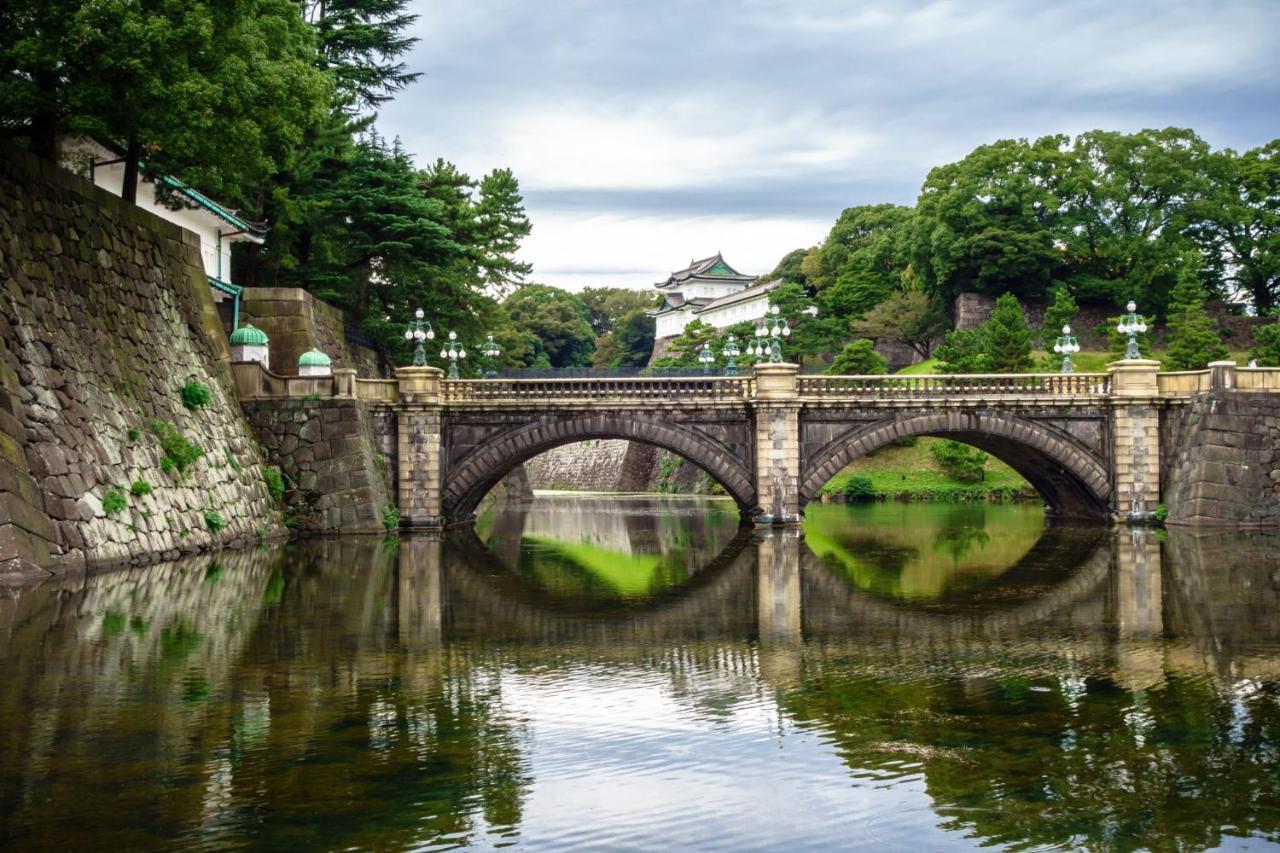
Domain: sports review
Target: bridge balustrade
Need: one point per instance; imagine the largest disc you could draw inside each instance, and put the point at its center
(598, 389)
(944, 385)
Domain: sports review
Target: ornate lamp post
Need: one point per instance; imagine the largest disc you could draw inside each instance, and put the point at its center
(1066, 345)
(757, 347)
(780, 329)
(415, 332)
(1132, 325)
(731, 352)
(452, 353)
(705, 357)
(490, 352)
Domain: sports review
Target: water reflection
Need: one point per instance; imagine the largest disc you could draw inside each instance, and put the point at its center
(1101, 690)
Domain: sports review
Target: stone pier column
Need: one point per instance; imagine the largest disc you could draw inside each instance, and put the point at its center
(776, 406)
(778, 614)
(1139, 608)
(419, 428)
(1135, 438)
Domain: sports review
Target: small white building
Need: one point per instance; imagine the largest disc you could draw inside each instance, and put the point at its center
(218, 227)
(711, 291)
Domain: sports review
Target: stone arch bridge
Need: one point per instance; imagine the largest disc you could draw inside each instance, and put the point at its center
(1095, 445)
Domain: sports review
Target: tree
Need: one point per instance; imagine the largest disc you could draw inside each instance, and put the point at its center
(1060, 313)
(1267, 351)
(501, 225)
(634, 333)
(608, 305)
(1128, 199)
(684, 348)
(1238, 226)
(558, 321)
(963, 351)
(360, 42)
(1006, 340)
(991, 223)
(813, 331)
(908, 316)
(1192, 341)
(862, 260)
(858, 358)
(791, 268)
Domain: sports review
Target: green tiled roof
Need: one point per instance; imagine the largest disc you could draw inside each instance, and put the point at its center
(314, 358)
(248, 335)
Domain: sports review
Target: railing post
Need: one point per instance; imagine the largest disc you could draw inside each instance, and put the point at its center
(1135, 438)
(344, 382)
(776, 406)
(1222, 375)
(419, 428)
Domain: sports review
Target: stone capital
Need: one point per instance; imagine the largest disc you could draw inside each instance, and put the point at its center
(419, 384)
(776, 381)
(1134, 377)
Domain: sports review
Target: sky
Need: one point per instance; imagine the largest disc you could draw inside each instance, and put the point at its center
(645, 134)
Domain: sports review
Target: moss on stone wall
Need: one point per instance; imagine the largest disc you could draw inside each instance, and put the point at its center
(105, 314)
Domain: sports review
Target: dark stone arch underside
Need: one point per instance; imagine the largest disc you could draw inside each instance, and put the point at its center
(1072, 481)
(471, 477)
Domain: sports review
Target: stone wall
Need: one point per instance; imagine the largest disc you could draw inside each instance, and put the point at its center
(105, 313)
(296, 321)
(1227, 467)
(330, 452)
(616, 465)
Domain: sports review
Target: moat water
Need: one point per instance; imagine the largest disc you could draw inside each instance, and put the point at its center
(628, 673)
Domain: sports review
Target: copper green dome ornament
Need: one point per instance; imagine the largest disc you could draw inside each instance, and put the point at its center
(249, 335)
(314, 363)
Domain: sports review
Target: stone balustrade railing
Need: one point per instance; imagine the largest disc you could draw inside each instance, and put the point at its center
(955, 385)
(253, 381)
(600, 390)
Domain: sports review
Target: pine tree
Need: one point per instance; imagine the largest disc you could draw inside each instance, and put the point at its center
(1192, 340)
(858, 358)
(1267, 351)
(1006, 340)
(1060, 313)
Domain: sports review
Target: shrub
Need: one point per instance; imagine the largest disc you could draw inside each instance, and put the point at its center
(1162, 513)
(113, 501)
(858, 358)
(1267, 352)
(140, 488)
(195, 395)
(179, 452)
(859, 488)
(275, 482)
(214, 521)
(959, 461)
(391, 518)
(133, 435)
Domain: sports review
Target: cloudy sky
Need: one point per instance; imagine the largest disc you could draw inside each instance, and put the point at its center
(644, 134)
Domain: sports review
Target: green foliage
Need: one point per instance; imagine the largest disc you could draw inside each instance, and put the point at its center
(859, 488)
(908, 316)
(608, 305)
(140, 488)
(114, 501)
(275, 482)
(630, 344)
(858, 358)
(558, 322)
(1267, 351)
(963, 351)
(391, 519)
(683, 350)
(179, 452)
(195, 395)
(1161, 514)
(133, 434)
(1192, 341)
(959, 461)
(1006, 340)
(862, 260)
(1061, 312)
(214, 521)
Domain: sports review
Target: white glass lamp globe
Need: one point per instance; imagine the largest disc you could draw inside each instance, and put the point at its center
(1131, 307)
(419, 314)
(408, 334)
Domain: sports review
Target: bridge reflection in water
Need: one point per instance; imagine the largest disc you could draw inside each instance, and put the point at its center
(1100, 689)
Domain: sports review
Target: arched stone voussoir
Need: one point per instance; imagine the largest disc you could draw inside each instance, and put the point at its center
(1063, 472)
(471, 477)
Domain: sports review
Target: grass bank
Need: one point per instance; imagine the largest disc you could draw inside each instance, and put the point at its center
(913, 474)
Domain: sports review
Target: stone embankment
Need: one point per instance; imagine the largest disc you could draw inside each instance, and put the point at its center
(615, 465)
(1227, 468)
(105, 315)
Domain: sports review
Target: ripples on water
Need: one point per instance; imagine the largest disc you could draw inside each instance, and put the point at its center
(626, 673)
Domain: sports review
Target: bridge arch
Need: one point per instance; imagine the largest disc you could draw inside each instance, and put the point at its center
(1072, 481)
(471, 477)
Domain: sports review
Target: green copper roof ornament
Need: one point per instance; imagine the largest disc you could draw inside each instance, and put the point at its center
(248, 335)
(314, 358)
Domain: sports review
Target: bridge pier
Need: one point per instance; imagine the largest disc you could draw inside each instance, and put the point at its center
(777, 426)
(1135, 439)
(420, 431)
